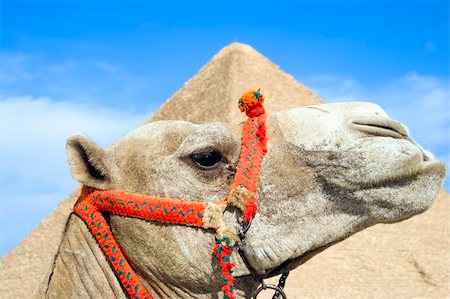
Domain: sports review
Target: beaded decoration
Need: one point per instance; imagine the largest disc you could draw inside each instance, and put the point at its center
(208, 215)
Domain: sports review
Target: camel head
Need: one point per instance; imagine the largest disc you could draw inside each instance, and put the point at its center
(330, 171)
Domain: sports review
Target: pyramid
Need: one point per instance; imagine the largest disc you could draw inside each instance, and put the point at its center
(211, 95)
(405, 260)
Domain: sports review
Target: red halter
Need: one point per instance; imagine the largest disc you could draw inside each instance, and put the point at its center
(208, 215)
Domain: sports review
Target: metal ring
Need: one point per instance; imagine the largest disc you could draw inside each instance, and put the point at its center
(244, 229)
(272, 287)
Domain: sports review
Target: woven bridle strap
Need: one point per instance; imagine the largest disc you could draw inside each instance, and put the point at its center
(207, 215)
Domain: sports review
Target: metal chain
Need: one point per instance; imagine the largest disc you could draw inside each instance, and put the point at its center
(281, 284)
(277, 288)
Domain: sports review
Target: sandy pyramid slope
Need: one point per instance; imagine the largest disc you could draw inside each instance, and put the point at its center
(23, 268)
(212, 93)
(406, 260)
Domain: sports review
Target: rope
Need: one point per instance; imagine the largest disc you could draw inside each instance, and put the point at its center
(223, 251)
(87, 210)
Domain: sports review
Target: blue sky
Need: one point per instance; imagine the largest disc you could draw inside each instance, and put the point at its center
(102, 67)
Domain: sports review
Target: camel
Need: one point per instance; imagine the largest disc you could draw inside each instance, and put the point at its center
(383, 261)
(330, 171)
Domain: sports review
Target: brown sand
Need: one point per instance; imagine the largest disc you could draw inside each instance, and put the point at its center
(406, 260)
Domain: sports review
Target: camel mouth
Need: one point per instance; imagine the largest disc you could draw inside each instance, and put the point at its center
(428, 165)
(425, 166)
(404, 174)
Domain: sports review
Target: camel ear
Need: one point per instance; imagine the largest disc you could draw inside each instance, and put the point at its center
(89, 163)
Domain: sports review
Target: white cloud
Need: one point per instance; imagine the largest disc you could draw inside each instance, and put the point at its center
(33, 167)
(90, 81)
(14, 68)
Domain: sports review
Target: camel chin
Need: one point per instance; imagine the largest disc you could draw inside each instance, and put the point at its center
(429, 172)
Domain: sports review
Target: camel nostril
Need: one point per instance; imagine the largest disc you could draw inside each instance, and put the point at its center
(427, 156)
(379, 126)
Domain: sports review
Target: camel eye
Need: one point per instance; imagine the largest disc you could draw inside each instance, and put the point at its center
(207, 160)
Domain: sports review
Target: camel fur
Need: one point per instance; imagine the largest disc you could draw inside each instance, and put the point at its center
(330, 171)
